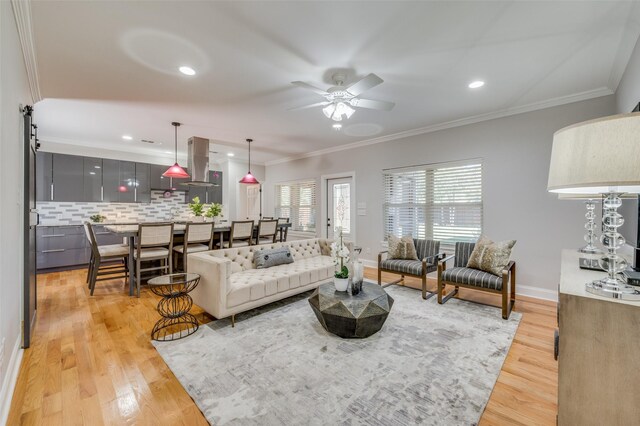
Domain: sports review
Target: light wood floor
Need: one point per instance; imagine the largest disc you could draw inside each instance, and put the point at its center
(91, 362)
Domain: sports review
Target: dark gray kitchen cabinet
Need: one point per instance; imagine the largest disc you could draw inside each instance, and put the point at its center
(68, 177)
(156, 179)
(214, 193)
(142, 183)
(44, 175)
(92, 176)
(118, 181)
(207, 194)
(61, 247)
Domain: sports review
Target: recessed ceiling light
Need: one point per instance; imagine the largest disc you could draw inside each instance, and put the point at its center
(127, 137)
(96, 167)
(168, 152)
(92, 173)
(230, 154)
(187, 70)
(337, 126)
(476, 84)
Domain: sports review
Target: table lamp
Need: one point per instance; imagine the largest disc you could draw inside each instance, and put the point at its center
(601, 156)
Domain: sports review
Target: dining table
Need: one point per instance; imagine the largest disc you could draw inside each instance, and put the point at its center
(130, 232)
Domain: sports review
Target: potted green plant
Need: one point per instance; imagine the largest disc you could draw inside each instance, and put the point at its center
(214, 211)
(197, 208)
(340, 254)
(97, 218)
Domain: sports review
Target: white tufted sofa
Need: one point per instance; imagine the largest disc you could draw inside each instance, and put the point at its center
(230, 284)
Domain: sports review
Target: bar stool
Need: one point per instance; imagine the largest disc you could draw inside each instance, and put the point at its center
(283, 231)
(155, 242)
(241, 234)
(197, 237)
(101, 262)
(267, 231)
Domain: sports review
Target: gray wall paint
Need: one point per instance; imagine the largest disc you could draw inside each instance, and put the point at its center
(515, 152)
(14, 90)
(627, 97)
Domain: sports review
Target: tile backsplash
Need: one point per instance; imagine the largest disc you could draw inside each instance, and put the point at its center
(159, 209)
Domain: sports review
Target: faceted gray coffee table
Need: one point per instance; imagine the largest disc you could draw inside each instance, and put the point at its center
(349, 316)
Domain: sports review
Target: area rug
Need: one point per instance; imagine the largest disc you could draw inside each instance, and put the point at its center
(430, 364)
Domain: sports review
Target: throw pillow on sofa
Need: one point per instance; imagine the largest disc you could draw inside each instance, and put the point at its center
(266, 258)
(490, 256)
(402, 248)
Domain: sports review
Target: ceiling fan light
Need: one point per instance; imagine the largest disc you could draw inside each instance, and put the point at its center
(349, 111)
(329, 110)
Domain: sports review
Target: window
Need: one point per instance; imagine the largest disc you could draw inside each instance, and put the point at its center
(438, 201)
(297, 201)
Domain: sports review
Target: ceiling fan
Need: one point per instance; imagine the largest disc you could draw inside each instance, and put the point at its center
(339, 99)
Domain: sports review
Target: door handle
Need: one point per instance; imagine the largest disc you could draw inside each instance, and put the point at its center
(52, 251)
(53, 236)
(328, 222)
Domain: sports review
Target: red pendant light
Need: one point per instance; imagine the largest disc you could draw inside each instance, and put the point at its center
(176, 171)
(249, 179)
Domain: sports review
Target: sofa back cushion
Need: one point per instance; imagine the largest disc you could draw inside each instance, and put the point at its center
(266, 258)
(242, 257)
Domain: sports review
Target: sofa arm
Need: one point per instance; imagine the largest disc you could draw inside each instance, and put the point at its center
(211, 292)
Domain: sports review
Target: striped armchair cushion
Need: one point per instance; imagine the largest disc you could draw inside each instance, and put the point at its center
(474, 277)
(463, 252)
(411, 267)
(426, 248)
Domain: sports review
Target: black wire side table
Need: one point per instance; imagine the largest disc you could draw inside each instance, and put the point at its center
(174, 307)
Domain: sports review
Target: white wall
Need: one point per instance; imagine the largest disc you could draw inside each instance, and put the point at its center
(627, 97)
(14, 91)
(516, 151)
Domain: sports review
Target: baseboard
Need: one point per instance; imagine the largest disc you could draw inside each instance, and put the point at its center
(523, 290)
(9, 384)
(537, 293)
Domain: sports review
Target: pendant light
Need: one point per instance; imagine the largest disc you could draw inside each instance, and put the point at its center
(176, 171)
(249, 179)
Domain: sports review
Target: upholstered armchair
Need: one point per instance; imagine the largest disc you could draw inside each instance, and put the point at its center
(428, 253)
(461, 276)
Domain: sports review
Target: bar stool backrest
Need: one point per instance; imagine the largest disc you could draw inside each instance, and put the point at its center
(241, 230)
(88, 230)
(199, 233)
(155, 234)
(267, 228)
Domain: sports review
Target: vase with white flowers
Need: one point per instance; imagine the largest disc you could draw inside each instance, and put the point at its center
(340, 255)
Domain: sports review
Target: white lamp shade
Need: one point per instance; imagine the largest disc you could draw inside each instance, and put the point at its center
(597, 156)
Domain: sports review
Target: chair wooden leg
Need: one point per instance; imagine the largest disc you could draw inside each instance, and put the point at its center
(233, 320)
(379, 276)
(505, 301)
(184, 262)
(424, 286)
(94, 276)
(138, 276)
(169, 263)
(90, 272)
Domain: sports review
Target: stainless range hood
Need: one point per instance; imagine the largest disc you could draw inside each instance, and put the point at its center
(198, 162)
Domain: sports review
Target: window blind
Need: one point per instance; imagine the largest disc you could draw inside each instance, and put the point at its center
(297, 201)
(440, 201)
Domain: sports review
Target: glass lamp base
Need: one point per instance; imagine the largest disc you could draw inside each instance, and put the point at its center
(618, 290)
(589, 250)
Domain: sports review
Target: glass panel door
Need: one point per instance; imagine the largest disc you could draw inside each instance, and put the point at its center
(339, 208)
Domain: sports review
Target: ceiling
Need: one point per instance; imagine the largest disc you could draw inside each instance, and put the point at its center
(111, 68)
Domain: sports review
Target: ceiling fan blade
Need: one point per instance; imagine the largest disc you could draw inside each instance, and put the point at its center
(310, 87)
(371, 104)
(317, 104)
(366, 83)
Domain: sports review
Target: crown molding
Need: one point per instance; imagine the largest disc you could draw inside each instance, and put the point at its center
(22, 14)
(562, 100)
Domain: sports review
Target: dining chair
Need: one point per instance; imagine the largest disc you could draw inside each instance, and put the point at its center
(197, 237)
(267, 231)
(283, 231)
(241, 234)
(106, 262)
(154, 243)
